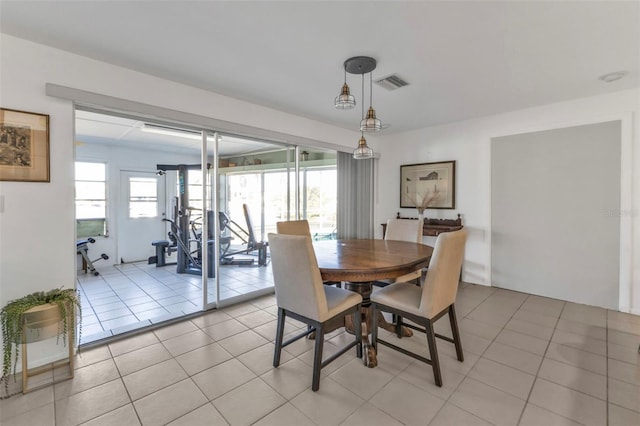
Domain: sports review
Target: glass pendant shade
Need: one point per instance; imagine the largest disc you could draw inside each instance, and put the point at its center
(370, 123)
(362, 152)
(345, 100)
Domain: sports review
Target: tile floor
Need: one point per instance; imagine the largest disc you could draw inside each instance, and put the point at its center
(131, 296)
(528, 361)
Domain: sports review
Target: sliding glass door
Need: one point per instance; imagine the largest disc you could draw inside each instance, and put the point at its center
(198, 205)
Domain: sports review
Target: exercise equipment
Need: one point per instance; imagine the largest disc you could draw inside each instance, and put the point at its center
(187, 238)
(185, 235)
(82, 248)
(247, 236)
(164, 248)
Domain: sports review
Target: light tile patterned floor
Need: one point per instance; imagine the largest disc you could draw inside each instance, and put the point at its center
(131, 296)
(528, 361)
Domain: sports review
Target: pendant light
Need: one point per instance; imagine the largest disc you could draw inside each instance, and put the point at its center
(345, 100)
(360, 65)
(370, 123)
(362, 152)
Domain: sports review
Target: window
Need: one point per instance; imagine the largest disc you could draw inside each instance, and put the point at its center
(143, 197)
(266, 196)
(195, 189)
(320, 200)
(91, 199)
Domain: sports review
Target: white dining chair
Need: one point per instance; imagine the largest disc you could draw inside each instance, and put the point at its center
(294, 227)
(424, 305)
(404, 230)
(300, 294)
(299, 227)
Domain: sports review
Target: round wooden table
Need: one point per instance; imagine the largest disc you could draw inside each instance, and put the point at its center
(358, 263)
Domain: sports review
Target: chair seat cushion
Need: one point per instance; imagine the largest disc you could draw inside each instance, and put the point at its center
(403, 296)
(339, 299)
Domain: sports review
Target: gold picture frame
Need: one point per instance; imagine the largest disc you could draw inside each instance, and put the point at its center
(24, 146)
(428, 185)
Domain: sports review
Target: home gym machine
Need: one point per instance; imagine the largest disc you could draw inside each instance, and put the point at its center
(186, 230)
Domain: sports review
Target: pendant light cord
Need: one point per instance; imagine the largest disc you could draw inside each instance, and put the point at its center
(362, 97)
(370, 90)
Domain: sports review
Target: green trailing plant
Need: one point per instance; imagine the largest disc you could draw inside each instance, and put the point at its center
(11, 321)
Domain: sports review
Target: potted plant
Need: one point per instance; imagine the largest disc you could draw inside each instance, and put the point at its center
(55, 308)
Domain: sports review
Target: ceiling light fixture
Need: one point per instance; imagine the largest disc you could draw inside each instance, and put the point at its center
(345, 100)
(361, 65)
(370, 123)
(363, 151)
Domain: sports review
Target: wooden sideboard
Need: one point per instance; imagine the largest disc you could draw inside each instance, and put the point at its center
(432, 227)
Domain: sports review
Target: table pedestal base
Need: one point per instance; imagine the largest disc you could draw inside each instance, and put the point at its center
(365, 289)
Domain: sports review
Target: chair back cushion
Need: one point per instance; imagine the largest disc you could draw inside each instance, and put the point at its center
(441, 284)
(294, 227)
(296, 276)
(404, 230)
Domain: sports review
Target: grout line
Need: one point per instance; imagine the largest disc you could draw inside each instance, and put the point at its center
(540, 366)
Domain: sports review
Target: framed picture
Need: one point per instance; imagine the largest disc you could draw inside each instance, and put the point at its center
(428, 185)
(24, 146)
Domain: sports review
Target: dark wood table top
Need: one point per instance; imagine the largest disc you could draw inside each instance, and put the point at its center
(369, 260)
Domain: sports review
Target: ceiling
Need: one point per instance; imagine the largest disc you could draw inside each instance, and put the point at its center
(462, 59)
(124, 132)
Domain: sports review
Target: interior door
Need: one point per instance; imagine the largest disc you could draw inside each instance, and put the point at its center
(140, 215)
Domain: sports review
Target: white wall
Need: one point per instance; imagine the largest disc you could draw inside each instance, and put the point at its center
(552, 233)
(37, 228)
(468, 143)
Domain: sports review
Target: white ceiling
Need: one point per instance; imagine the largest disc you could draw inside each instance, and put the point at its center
(462, 59)
(102, 129)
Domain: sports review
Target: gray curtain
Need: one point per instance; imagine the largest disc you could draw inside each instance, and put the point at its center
(355, 197)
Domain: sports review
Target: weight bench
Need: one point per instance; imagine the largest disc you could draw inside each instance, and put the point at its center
(82, 248)
(164, 248)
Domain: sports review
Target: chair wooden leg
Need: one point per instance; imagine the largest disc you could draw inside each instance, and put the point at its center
(317, 357)
(399, 326)
(374, 326)
(433, 352)
(456, 333)
(357, 329)
(279, 336)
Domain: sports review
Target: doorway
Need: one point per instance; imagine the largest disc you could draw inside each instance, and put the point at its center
(140, 217)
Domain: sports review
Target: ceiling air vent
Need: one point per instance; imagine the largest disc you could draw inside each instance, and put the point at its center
(391, 82)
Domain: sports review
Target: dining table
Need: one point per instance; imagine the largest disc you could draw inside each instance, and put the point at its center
(359, 263)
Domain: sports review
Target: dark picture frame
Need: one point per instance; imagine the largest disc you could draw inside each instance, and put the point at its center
(24, 146)
(434, 183)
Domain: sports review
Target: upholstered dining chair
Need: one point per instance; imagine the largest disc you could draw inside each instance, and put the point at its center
(299, 227)
(294, 227)
(404, 230)
(301, 295)
(424, 305)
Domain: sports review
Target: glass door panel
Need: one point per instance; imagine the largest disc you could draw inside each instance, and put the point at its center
(210, 200)
(253, 195)
(318, 191)
(276, 207)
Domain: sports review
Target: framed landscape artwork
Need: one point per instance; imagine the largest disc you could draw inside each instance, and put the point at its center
(428, 185)
(24, 146)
